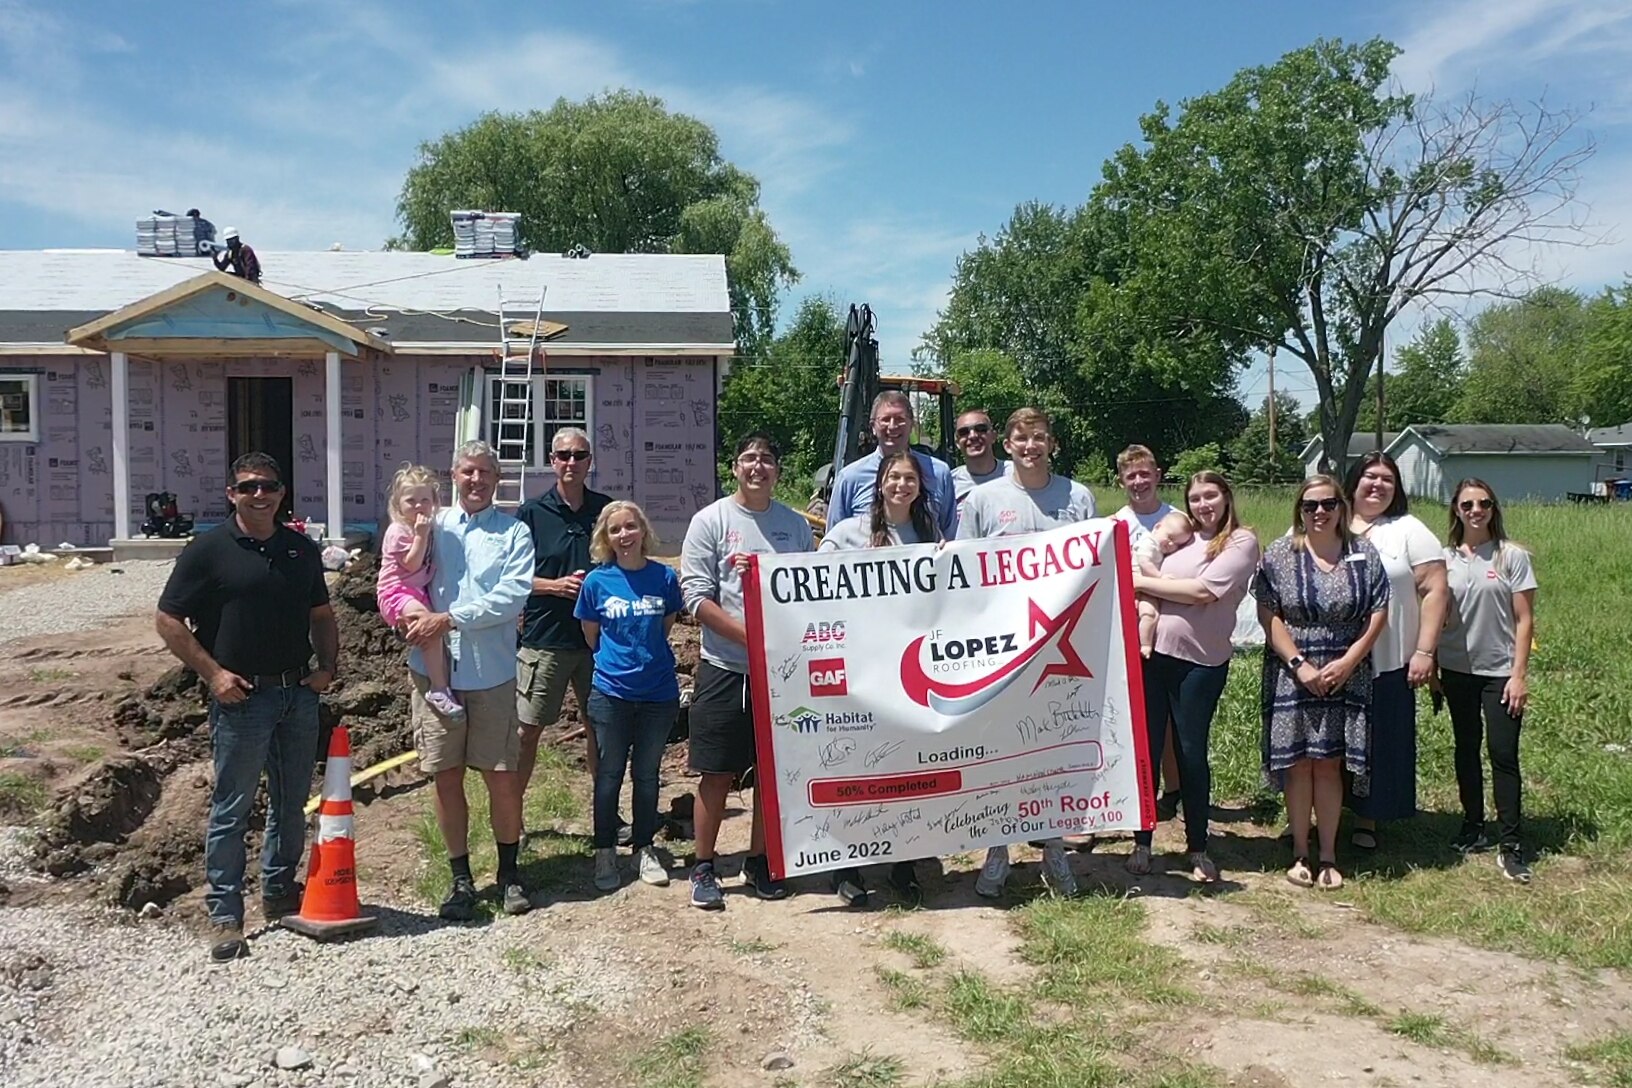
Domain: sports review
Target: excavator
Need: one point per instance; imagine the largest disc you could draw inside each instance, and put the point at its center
(858, 385)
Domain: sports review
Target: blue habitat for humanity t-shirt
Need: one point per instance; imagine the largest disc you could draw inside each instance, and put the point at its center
(634, 660)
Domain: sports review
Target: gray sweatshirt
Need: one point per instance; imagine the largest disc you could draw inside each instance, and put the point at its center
(716, 533)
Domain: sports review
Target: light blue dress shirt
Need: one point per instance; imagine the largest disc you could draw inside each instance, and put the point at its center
(482, 566)
(853, 491)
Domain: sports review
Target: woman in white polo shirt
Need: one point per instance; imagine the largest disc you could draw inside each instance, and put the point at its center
(1484, 656)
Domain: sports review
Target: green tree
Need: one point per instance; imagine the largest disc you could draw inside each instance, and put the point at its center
(792, 392)
(989, 380)
(1605, 378)
(1424, 386)
(1524, 360)
(1204, 458)
(618, 173)
(1305, 204)
(1249, 454)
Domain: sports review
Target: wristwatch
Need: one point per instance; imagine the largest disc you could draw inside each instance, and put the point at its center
(1295, 662)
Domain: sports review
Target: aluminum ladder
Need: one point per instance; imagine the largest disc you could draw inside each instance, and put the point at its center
(513, 405)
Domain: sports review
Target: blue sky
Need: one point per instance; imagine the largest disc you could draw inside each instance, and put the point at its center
(887, 137)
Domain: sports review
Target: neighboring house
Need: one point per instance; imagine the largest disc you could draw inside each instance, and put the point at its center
(1360, 444)
(123, 375)
(1540, 462)
(1614, 445)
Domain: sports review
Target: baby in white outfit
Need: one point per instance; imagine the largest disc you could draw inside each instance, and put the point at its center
(1170, 534)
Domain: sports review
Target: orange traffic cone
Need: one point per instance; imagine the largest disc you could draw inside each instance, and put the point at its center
(330, 908)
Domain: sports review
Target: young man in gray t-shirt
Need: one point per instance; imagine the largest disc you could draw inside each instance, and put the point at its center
(1029, 499)
(718, 541)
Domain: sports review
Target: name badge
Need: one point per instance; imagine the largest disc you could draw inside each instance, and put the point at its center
(1355, 557)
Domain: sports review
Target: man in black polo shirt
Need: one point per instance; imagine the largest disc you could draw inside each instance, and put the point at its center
(553, 652)
(254, 593)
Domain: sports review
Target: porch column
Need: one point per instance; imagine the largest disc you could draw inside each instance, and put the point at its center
(121, 446)
(337, 505)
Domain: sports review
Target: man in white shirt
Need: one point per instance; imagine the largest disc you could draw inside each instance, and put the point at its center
(892, 424)
(981, 465)
(1029, 499)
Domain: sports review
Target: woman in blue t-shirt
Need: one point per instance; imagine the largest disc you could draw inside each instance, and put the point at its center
(627, 606)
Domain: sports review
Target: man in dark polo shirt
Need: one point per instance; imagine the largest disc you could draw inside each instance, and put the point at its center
(254, 594)
(553, 652)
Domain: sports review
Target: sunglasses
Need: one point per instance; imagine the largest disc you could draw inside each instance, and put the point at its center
(1483, 504)
(257, 487)
(569, 455)
(977, 428)
(1309, 506)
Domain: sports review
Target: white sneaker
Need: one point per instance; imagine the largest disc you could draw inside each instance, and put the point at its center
(652, 869)
(994, 874)
(1057, 874)
(606, 869)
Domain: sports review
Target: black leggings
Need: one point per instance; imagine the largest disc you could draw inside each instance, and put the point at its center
(1477, 714)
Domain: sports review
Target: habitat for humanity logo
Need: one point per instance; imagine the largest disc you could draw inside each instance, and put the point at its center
(1044, 633)
(801, 719)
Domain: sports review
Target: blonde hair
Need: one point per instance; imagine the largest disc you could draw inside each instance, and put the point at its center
(1344, 513)
(1132, 456)
(410, 475)
(1176, 519)
(600, 540)
(1028, 417)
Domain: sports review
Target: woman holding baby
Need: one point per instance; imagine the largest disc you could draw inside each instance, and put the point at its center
(1201, 581)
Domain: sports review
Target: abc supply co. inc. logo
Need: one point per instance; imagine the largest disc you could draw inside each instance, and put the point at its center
(827, 677)
(823, 636)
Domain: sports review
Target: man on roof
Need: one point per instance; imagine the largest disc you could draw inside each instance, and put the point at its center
(237, 258)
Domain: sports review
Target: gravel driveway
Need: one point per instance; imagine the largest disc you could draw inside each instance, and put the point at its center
(82, 600)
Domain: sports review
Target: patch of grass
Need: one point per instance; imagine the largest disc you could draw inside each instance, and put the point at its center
(906, 992)
(1229, 936)
(50, 675)
(982, 1011)
(85, 753)
(924, 951)
(1609, 1059)
(478, 1038)
(675, 1061)
(21, 794)
(866, 1070)
(1424, 1029)
(754, 946)
(1094, 948)
(1280, 912)
(524, 960)
(1351, 1002)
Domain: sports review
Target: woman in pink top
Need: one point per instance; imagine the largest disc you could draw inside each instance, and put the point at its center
(405, 572)
(1199, 588)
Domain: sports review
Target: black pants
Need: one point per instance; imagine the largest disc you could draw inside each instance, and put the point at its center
(1188, 694)
(1477, 714)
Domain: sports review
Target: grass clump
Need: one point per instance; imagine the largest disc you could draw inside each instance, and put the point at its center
(924, 951)
(906, 992)
(981, 1011)
(1609, 1059)
(866, 1070)
(1094, 948)
(21, 794)
(675, 1061)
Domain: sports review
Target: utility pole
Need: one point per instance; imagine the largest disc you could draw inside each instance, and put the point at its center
(1272, 404)
(1380, 354)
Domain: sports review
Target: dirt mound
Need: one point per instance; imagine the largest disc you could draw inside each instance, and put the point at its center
(135, 822)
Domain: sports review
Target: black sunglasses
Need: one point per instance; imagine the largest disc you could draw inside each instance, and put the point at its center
(976, 428)
(1311, 505)
(257, 487)
(569, 455)
(1483, 504)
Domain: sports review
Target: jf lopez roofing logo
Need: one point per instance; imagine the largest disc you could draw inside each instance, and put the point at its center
(976, 654)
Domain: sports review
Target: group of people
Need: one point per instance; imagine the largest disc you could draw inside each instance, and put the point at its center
(504, 614)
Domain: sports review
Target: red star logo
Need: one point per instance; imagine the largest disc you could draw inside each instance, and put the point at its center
(1070, 662)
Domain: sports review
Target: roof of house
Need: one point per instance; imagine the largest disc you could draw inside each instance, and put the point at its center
(1360, 444)
(1461, 438)
(606, 300)
(1611, 436)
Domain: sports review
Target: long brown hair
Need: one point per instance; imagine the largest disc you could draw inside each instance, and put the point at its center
(1228, 523)
(1344, 511)
(918, 512)
(1498, 533)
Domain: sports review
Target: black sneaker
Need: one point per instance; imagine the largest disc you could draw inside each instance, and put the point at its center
(705, 889)
(276, 906)
(514, 898)
(460, 905)
(1510, 860)
(756, 871)
(904, 879)
(1167, 805)
(848, 886)
(1470, 840)
(226, 942)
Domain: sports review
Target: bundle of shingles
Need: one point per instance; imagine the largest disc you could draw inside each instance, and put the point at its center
(165, 235)
(485, 234)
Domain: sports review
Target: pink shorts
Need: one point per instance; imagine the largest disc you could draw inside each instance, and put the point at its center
(393, 599)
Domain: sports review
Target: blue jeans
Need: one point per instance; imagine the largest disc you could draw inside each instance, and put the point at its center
(1188, 694)
(629, 734)
(274, 729)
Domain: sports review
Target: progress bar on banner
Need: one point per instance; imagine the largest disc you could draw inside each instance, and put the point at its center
(891, 787)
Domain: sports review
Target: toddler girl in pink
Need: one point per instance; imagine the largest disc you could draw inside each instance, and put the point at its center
(405, 572)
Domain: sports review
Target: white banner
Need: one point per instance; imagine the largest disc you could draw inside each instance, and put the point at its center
(914, 703)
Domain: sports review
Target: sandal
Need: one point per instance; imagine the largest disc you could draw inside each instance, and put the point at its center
(1138, 862)
(1364, 838)
(1299, 874)
(1329, 878)
(1202, 868)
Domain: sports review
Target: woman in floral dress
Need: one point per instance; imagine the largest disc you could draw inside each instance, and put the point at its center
(1323, 600)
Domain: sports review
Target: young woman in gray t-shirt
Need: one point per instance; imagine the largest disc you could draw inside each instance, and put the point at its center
(1484, 656)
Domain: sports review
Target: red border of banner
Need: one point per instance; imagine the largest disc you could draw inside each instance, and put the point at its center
(765, 794)
(1136, 675)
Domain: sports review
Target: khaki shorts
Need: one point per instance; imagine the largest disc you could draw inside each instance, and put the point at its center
(487, 739)
(542, 677)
